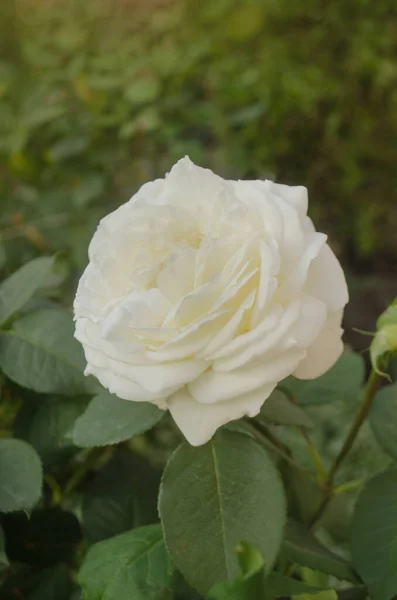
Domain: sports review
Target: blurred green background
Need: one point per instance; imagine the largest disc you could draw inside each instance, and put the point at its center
(99, 96)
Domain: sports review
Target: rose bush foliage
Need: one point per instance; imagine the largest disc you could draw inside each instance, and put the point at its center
(219, 301)
(202, 294)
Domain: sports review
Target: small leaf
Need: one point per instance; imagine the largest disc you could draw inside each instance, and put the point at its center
(214, 496)
(20, 476)
(383, 419)
(41, 354)
(44, 423)
(43, 538)
(21, 285)
(374, 535)
(277, 586)
(251, 584)
(110, 420)
(278, 409)
(131, 565)
(342, 381)
(122, 495)
(302, 547)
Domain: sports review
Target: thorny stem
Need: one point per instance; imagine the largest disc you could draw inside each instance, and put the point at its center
(372, 387)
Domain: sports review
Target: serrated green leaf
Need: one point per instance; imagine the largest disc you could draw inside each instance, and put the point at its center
(278, 409)
(383, 419)
(20, 476)
(374, 535)
(44, 423)
(110, 420)
(21, 285)
(131, 565)
(302, 547)
(342, 381)
(121, 496)
(41, 354)
(214, 496)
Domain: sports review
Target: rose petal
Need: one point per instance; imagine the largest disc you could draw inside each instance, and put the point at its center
(326, 280)
(212, 386)
(198, 422)
(325, 350)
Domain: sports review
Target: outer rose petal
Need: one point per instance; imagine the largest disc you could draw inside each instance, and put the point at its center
(198, 422)
(325, 350)
(326, 280)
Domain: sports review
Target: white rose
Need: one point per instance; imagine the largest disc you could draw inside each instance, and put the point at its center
(201, 294)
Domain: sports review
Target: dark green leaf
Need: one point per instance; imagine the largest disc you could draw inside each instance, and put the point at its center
(44, 584)
(383, 419)
(374, 535)
(131, 565)
(302, 547)
(43, 538)
(41, 354)
(21, 285)
(20, 476)
(123, 495)
(278, 409)
(45, 422)
(110, 420)
(213, 497)
(343, 381)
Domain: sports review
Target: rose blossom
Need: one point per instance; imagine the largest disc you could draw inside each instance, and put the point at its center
(202, 294)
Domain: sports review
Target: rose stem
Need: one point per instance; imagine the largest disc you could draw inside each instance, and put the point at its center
(372, 387)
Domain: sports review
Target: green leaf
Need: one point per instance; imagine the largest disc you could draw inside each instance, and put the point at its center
(110, 420)
(383, 419)
(44, 423)
(277, 586)
(251, 584)
(4, 562)
(390, 583)
(34, 584)
(131, 565)
(20, 476)
(43, 538)
(122, 496)
(214, 496)
(342, 381)
(21, 285)
(374, 535)
(302, 547)
(41, 354)
(278, 409)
